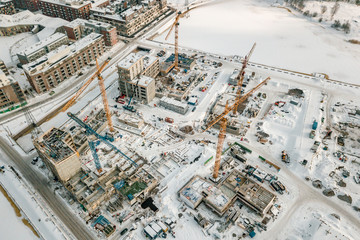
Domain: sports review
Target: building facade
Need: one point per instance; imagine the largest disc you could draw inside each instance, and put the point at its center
(136, 76)
(132, 19)
(42, 48)
(80, 28)
(3, 67)
(10, 91)
(50, 70)
(57, 150)
(68, 10)
(7, 7)
(31, 5)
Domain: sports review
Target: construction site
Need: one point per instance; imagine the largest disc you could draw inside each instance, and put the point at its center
(173, 141)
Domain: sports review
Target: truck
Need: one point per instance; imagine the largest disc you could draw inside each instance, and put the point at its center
(169, 120)
(285, 157)
(312, 134)
(314, 125)
(315, 146)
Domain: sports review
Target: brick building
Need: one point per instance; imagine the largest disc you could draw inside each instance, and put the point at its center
(131, 19)
(81, 27)
(3, 67)
(42, 48)
(7, 7)
(31, 5)
(9, 91)
(68, 10)
(50, 70)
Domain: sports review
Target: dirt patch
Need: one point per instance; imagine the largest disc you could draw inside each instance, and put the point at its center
(341, 183)
(286, 9)
(16, 209)
(317, 184)
(26, 222)
(329, 192)
(353, 41)
(345, 198)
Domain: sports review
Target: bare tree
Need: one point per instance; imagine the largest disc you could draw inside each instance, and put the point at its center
(334, 9)
(323, 9)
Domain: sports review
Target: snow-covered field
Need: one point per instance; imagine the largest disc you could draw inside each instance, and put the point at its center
(283, 39)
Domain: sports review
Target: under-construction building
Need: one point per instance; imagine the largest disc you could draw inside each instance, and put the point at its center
(57, 149)
(136, 76)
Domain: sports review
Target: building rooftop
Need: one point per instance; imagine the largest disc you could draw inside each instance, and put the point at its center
(90, 23)
(149, 60)
(28, 18)
(142, 80)
(49, 60)
(43, 43)
(172, 101)
(129, 60)
(69, 3)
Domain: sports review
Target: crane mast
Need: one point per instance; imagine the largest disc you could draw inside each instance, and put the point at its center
(240, 78)
(223, 122)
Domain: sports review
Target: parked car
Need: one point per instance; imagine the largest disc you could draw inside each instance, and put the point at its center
(123, 231)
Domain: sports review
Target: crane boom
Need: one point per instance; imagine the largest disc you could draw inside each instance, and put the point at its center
(90, 131)
(241, 78)
(83, 87)
(228, 109)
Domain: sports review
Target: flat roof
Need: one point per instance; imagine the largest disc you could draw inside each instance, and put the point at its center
(40, 45)
(142, 80)
(69, 3)
(129, 60)
(174, 102)
(44, 63)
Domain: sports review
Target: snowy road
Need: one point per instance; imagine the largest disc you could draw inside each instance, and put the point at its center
(40, 184)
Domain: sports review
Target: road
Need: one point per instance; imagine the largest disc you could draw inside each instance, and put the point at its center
(41, 186)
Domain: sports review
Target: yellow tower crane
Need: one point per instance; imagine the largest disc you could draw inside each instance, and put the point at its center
(240, 78)
(223, 121)
(97, 74)
(176, 26)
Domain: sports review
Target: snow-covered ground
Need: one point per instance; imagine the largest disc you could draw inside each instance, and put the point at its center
(284, 39)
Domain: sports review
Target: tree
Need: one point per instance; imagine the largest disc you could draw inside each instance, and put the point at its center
(334, 9)
(324, 8)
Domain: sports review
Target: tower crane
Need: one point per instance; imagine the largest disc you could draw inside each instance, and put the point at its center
(176, 26)
(240, 78)
(223, 121)
(97, 74)
(89, 131)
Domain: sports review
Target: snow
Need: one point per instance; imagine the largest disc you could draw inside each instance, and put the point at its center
(284, 39)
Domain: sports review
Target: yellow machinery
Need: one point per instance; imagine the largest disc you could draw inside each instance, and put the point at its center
(97, 74)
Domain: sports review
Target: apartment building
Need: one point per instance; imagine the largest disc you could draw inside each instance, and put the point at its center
(56, 148)
(136, 76)
(42, 48)
(68, 10)
(27, 21)
(10, 91)
(81, 27)
(31, 5)
(3, 67)
(55, 67)
(131, 19)
(7, 7)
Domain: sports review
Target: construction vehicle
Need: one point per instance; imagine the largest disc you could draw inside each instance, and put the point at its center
(91, 133)
(240, 78)
(314, 125)
(176, 25)
(280, 104)
(285, 157)
(97, 74)
(223, 122)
